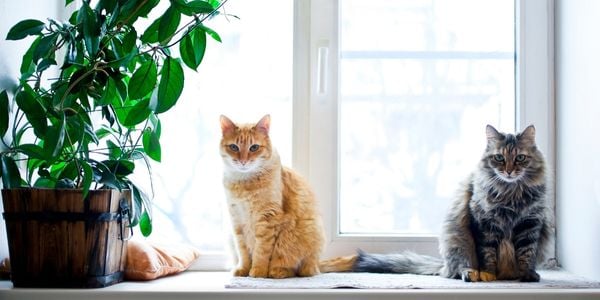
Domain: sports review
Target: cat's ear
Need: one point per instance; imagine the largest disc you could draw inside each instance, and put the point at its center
(528, 134)
(227, 126)
(264, 124)
(492, 134)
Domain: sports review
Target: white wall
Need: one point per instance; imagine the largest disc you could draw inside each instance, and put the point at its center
(578, 135)
(11, 52)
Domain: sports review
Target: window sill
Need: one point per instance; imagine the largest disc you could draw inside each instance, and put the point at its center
(210, 285)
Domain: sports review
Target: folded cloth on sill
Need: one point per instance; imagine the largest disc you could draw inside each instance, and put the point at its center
(557, 279)
(148, 261)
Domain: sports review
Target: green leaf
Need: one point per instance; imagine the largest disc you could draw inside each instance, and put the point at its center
(145, 224)
(169, 22)
(27, 64)
(129, 40)
(112, 6)
(56, 169)
(147, 7)
(114, 151)
(45, 64)
(25, 28)
(143, 80)
(88, 130)
(212, 33)
(81, 79)
(73, 17)
(121, 88)
(151, 145)
(103, 132)
(74, 134)
(132, 10)
(137, 204)
(53, 141)
(120, 110)
(88, 176)
(91, 28)
(120, 168)
(110, 93)
(214, 3)
(70, 56)
(192, 48)
(67, 2)
(71, 171)
(115, 52)
(44, 183)
(11, 178)
(186, 50)
(138, 113)
(45, 48)
(151, 33)
(4, 113)
(33, 111)
(32, 165)
(32, 151)
(103, 175)
(193, 7)
(170, 86)
(199, 40)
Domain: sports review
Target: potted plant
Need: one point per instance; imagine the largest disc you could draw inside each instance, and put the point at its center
(71, 141)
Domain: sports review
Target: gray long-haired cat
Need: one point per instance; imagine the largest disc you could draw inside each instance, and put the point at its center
(498, 227)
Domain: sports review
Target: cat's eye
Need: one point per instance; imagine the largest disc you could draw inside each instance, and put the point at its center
(520, 157)
(499, 157)
(234, 148)
(254, 148)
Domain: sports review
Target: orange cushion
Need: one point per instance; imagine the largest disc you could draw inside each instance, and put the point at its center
(147, 261)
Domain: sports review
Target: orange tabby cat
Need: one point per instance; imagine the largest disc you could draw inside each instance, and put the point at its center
(273, 210)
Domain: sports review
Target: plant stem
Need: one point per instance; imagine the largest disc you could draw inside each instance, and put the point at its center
(132, 14)
(191, 27)
(72, 85)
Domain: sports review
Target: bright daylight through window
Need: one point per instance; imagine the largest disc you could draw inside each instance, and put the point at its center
(246, 76)
(418, 80)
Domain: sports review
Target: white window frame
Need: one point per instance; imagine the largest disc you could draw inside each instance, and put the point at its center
(316, 109)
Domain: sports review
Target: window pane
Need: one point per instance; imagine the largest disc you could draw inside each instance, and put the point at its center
(245, 77)
(419, 82)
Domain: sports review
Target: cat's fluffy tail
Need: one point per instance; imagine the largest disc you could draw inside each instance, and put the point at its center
(338, 264)
(405, 262)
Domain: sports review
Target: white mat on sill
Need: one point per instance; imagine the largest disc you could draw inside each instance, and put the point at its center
(549, 279)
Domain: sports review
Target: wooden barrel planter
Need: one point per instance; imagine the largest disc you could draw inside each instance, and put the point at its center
(57, 239)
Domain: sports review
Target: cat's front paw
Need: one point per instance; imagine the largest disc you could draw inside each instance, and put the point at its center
(487, 276)
(470, 275)
(308, 270)
(530, 276)
(241, 272)
(279, 273)
(259, 272)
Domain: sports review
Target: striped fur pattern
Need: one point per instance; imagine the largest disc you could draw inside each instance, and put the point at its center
(278, 231)
(499, 226)
(407, 262)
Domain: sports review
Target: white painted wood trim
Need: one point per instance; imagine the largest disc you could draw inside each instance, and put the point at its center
(535, 77)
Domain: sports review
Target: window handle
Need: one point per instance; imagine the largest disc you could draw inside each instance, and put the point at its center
(322, 69)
